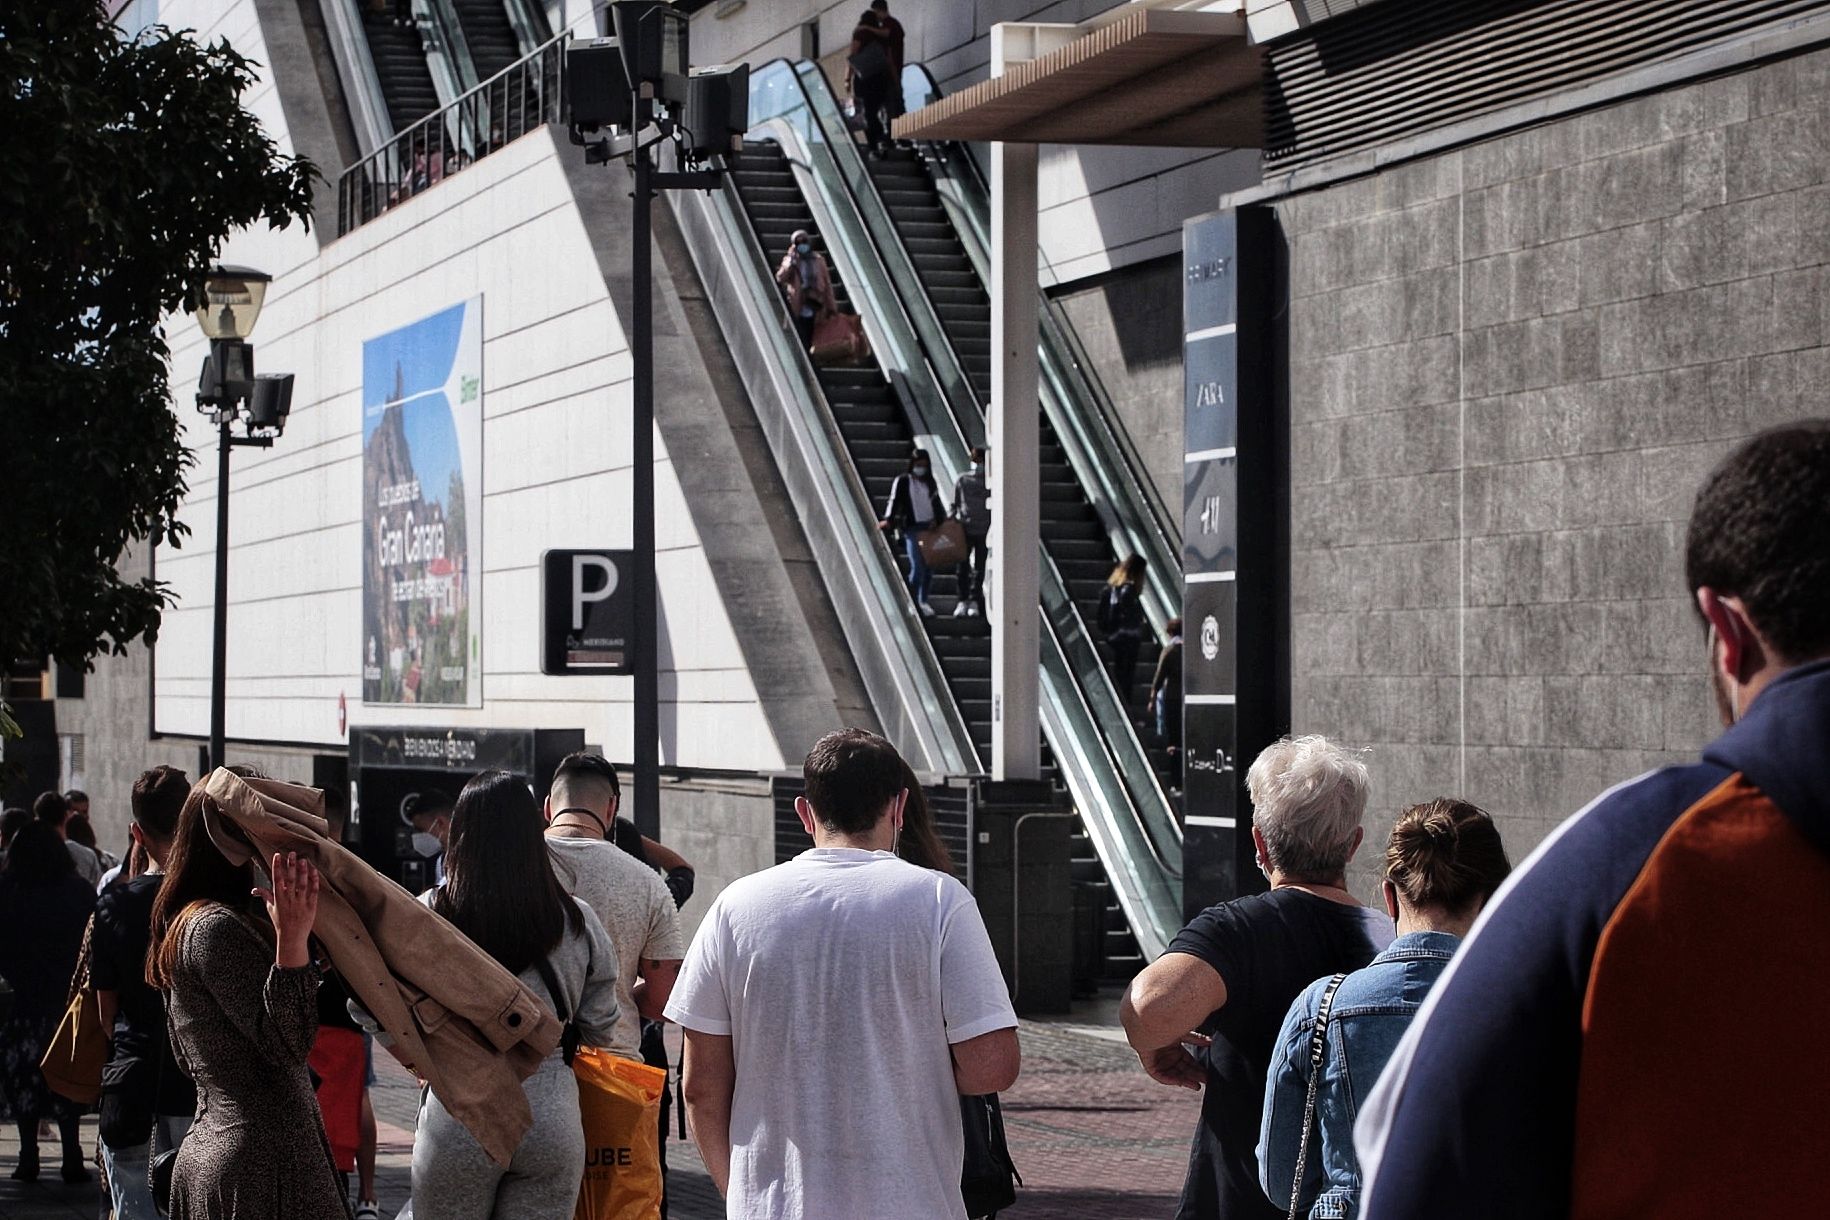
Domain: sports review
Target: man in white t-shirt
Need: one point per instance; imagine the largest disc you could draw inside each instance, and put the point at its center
(835, 1009)
(628, 896)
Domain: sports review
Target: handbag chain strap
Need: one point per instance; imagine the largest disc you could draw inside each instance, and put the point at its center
(79, 979)
(1318, 1054)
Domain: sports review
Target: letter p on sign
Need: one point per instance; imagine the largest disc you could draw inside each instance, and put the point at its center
(582, 594)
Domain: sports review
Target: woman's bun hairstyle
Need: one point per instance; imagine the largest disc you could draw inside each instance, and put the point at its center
(1446, 854)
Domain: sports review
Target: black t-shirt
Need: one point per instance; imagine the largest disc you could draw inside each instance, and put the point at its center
(1266, 948)
(138, 1063)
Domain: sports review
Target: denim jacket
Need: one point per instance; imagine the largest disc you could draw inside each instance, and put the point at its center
(1371, 1010)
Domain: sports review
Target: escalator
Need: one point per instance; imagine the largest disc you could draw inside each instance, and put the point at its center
(400, 68)
(488, 35)
(1071, 530)
(874, 428)
(938, 374)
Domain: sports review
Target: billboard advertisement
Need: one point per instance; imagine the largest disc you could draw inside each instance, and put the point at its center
(422, 510)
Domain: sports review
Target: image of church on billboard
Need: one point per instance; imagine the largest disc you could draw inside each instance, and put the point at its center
(422, 442)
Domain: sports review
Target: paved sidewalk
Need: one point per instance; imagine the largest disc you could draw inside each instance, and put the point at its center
(1094, 1138)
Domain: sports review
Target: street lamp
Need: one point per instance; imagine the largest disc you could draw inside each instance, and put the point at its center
(229, 391)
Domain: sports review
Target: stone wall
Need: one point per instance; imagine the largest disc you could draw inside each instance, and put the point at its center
(1511, 366)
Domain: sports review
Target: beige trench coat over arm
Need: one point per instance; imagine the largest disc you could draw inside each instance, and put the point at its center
(455, 1017)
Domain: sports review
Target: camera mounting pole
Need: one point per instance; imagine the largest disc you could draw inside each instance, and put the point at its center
(638, 87)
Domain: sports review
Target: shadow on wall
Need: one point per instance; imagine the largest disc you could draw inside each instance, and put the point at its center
(1129, 322)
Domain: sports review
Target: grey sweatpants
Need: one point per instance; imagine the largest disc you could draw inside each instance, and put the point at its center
(454, 1179)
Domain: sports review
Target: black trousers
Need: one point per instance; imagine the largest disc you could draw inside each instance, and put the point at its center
(804, 328)
(872, 95)
(971, 574)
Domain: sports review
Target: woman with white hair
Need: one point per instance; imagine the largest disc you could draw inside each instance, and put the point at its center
(1227, 979)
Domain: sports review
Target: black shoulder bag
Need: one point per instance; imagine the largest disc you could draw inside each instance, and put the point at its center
(988, 1178)
(1318, 1054)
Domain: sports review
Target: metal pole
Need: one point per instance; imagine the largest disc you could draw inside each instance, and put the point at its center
(1016, 625)
(647, 813)
(219, 652)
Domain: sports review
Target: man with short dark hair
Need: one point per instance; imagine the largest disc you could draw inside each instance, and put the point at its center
(147, 1100)
(835, 1008)
(1627, 1030)
(629, 897)
(53, 809)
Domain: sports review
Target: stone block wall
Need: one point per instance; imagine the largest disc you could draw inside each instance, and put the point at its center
(1511, 366)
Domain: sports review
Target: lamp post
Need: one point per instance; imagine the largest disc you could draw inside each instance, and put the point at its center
(229, 392)
(639, 85)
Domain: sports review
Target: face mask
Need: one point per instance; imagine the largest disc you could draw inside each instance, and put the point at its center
(803, 248)
(921, 472)
(427, 845)
(978, 468)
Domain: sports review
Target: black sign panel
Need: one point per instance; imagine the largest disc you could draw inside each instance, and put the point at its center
(1209, 627)
(1210, 515)
(1232, 549)
(1210, 377)
(588, 612)
(466, 751)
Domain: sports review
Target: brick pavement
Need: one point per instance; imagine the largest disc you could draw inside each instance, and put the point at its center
(1094, 1138)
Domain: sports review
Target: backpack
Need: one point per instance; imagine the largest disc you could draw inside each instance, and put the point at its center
(1108, 607)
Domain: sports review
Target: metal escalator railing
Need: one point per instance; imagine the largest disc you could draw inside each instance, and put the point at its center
(521, 97)
(367, 104)
(1096, 748)
(1102, 455)
(893, 653)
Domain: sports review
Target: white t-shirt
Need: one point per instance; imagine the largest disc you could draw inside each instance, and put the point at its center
(842, 977)
(636, 910)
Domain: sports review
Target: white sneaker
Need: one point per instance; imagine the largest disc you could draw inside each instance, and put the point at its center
(368, 1209)
(927, 611)
(972, 610)
(962, 610)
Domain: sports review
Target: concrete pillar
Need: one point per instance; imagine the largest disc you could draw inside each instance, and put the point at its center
(1015, 478)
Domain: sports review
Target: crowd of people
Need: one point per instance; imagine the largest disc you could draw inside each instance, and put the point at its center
(1611, 1028)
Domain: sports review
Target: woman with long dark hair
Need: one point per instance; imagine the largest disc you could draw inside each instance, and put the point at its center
(500, 890)
(915, 507)
(1121, 617)
(236, 964)
(44, 907)
(920, 843)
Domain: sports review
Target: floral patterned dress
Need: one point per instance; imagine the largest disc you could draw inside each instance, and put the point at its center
(241, 1027)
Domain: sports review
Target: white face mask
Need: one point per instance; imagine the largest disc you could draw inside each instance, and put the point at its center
(921, 472)
(427, 844)
(978, 468)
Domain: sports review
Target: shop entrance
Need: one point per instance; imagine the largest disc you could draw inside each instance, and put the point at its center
(393, 771)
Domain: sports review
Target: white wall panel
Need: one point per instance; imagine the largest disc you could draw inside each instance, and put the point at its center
(555, 468)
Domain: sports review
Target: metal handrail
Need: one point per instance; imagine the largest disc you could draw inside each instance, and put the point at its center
(525, 95)
(895, 657)
(356, 69)
(448, 59)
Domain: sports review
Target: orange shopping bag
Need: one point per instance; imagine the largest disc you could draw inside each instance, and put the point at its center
(620, 1100)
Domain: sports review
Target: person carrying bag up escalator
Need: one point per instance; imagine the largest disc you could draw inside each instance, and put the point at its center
(915, 507)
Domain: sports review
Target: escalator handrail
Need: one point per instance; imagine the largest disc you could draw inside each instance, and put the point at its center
(1098, 450)
(895, 636)
(1140, 830)
(1151, 805)
(349, 47)
(529, 24)
(448, 58)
